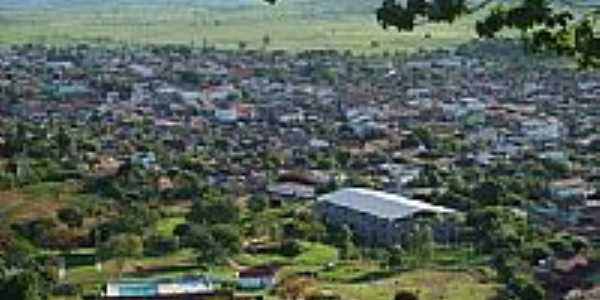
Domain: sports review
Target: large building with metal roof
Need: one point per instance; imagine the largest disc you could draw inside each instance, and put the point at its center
(379, 218)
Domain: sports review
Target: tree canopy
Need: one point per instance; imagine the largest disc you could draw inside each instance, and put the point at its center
(566, 32)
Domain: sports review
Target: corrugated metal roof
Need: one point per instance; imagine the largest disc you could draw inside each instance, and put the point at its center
(381, 204)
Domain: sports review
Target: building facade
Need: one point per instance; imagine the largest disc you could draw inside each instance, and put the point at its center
(382, 219)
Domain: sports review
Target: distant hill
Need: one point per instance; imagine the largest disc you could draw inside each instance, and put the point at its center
(349, 5)
(343, 6)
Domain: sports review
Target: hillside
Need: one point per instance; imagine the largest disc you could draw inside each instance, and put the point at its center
(293, 24)
(347, 6)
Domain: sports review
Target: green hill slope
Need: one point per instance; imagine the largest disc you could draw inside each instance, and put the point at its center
(293, 24)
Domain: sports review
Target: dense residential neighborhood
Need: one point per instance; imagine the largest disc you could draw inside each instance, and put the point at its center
(235, 164)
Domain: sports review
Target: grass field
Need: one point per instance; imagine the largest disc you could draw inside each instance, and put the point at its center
(291, 25)
(35, 201)
(294, 24)
(429, 284)
(353, 280)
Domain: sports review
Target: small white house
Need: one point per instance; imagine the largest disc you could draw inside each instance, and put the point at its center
(570, 189)
(112, 97)
(538, 130)
(226, 115)
(145, 159)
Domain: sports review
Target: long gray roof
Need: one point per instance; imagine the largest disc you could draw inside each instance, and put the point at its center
(381, 204)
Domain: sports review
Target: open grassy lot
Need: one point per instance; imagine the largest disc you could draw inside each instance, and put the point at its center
(354, 280)
(430, 284)
(179, 263)
(294, 24)
(35, 201)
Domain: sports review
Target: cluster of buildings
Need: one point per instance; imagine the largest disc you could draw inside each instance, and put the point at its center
(292, 125)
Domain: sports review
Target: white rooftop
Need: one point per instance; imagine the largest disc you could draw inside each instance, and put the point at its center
(381, 204)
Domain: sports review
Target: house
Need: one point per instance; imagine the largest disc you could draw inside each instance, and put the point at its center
(107, 166)
(588, 223)
(142, 71)
(319, 144)
(570, 189)
(539, 130)
(221, 93)
(418, 65)
(65, 91)
(464, 107)
(418, 93)
(226, 115)
(550, 214)
(292, 190)
(379, 218)
(257, 277)
(398, 176)
(364, 126)
(144, 159)
(112, 97)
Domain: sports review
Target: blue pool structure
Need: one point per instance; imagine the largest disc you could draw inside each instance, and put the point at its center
(159, 287)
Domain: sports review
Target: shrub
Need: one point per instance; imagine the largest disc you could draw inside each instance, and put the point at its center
(290, 248)
(406, 295)
(525, 288)
(159, 245)
(562, 247)
(7, 181)
(67, 290)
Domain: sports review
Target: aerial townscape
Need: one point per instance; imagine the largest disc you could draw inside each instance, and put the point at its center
(174, 171)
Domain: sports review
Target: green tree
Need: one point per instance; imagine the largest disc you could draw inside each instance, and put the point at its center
(134, 219)
(187, 185)
(18, 253)
(396, 257)
(290, 248)
(214, 208)
(36, 231)
(345, 243)
(16, 142)
(121, 248)
(525, 289)
(294, 229)
(419, 243)
(71, 216)
(158, 245)
(425, 137)
(497, 229)
(406, 295)
(25, 285)
(228, 237)
(208, 250)
(326, 162)
(266, 41)
(63, 141)
(490, 193)
(258, 204)
(556, 169)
